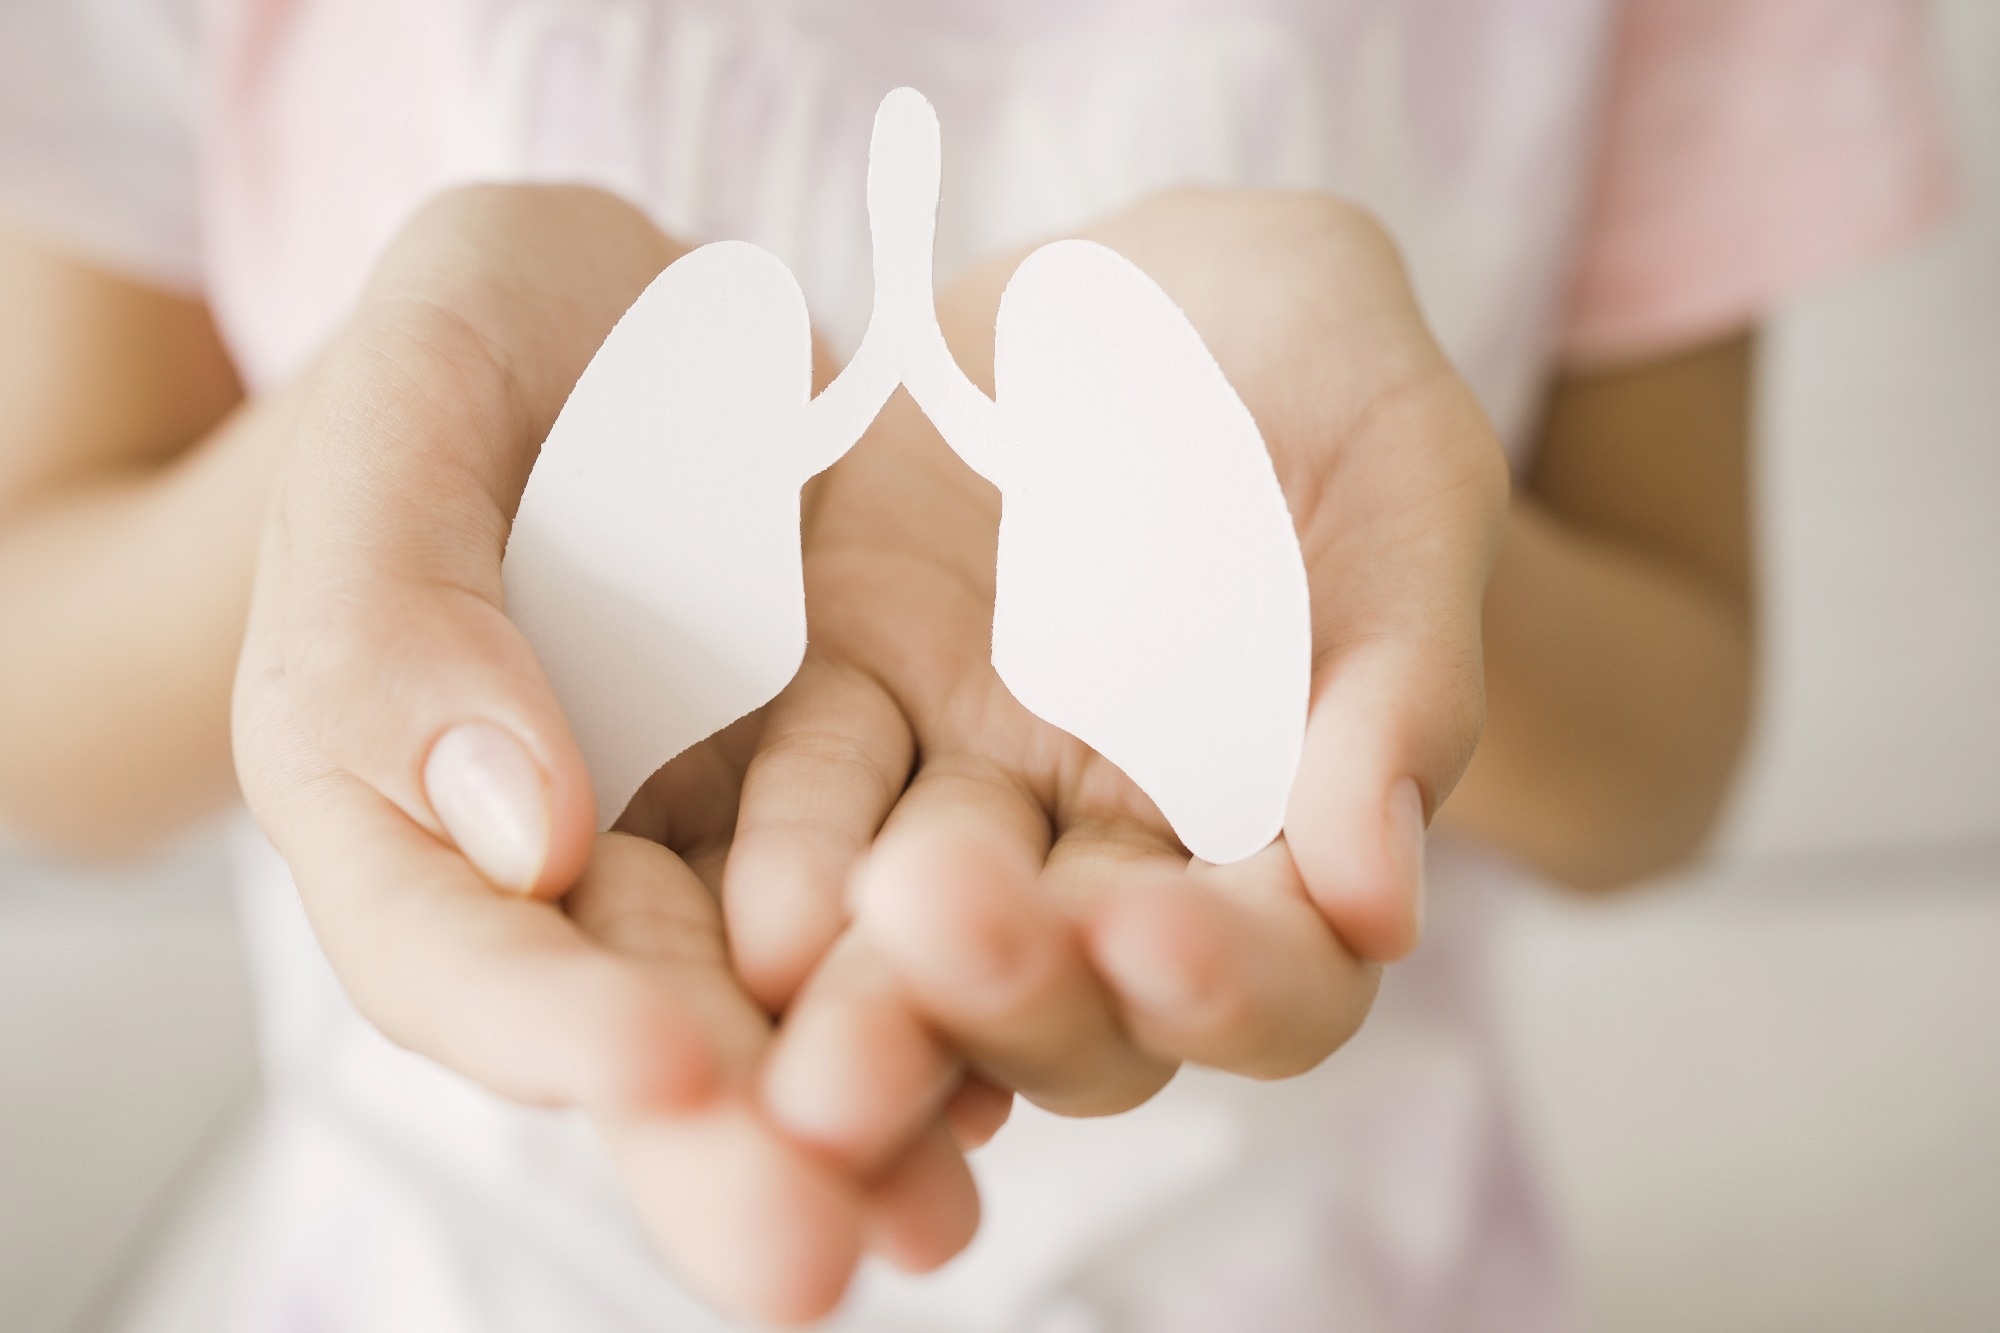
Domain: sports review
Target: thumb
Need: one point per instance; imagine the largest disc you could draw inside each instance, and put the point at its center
(1388, 735)
(398, 658)
(414, 444)
(1398, 691)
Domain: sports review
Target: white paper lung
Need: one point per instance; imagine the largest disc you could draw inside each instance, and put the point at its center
(654, 563)
(1151, 596)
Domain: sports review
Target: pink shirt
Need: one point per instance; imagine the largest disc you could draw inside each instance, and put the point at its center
(1570, 179)
(1750, 149)
(1564, 175)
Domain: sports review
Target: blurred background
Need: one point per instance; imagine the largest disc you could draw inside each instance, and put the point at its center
(1769, 1092)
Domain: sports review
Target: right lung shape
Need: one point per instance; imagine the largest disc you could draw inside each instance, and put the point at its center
(1151, 599)
(654, 562)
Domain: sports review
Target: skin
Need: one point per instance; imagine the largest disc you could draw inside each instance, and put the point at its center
(1024, 912)
(1628, 558)
(1022, 919)
(380, 563)
(1025, 906)
(121, 633)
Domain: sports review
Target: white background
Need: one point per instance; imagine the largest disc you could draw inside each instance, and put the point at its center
(1769, 1095)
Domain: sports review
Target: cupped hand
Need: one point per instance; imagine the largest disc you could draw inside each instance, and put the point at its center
(1020, 909)
(398, 742)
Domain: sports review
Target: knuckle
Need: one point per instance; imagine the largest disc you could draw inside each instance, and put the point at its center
(626, 901)
(829, 757)
(333, 640)
(423, 362)
(412, 440)
(355, 653)
(660, 933)
(664, 931)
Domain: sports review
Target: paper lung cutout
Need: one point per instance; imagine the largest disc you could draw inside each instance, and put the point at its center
(654, 562)
(1151, 598)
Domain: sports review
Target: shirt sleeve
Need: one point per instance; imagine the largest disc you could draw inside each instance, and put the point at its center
(1751, 148)
(97, 132)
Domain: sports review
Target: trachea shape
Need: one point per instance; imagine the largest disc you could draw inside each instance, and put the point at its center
(1150, 595)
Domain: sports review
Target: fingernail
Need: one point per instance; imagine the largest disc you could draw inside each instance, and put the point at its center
(1406, 843)
(492, 799)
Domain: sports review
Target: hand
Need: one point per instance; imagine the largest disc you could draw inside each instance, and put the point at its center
(1025, 910)
(396, 738)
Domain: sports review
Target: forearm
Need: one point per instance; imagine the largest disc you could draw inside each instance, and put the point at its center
(123, 594)
(1618, 696)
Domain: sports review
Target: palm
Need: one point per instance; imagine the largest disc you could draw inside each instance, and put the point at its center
(376, 627)
(902, 563)
(1391, 476)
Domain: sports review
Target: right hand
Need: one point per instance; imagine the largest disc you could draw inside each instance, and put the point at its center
(1021, 908)
(399, 743)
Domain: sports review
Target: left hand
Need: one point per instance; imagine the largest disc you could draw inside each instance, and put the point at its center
(1025, 911)
(398, 741)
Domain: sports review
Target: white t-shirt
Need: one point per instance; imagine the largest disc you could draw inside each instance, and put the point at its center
(1385, 1191)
